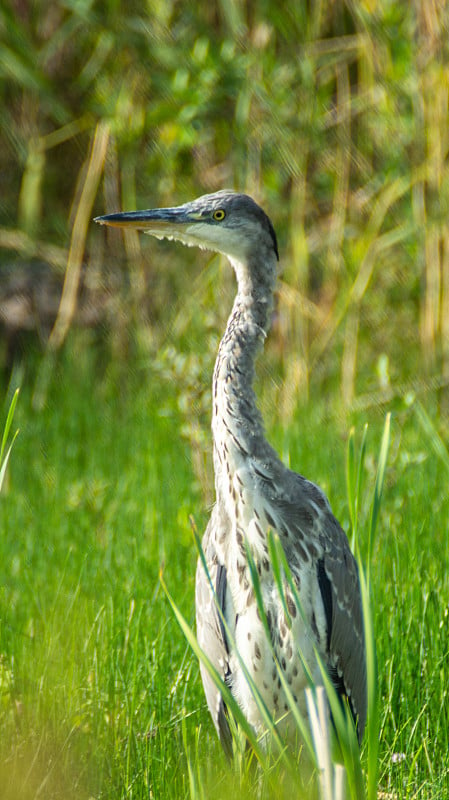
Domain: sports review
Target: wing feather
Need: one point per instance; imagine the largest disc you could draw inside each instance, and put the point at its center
(303, 512)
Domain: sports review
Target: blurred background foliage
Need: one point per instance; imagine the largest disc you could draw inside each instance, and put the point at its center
(334, 115)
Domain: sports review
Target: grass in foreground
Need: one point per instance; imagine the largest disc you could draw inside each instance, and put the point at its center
(100, 695)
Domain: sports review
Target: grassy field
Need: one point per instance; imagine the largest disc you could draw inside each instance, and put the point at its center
(100, 694)
(334, 116)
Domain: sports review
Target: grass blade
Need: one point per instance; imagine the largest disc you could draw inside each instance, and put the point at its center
(373, 715)
(378, 489)
(436, 442)
(354, 482)
(351, 481)
(5, 458)
(8, 422)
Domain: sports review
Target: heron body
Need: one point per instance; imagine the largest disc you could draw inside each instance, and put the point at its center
(255, 494)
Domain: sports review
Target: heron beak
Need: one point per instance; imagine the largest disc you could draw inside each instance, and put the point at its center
(162, 221)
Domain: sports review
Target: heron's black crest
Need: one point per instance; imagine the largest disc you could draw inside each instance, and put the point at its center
(245, 202)
(237, 206)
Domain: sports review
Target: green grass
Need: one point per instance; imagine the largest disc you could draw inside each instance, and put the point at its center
(89, 647)
(100, 694)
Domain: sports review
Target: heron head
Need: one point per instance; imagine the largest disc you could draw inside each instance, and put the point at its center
(225, 222)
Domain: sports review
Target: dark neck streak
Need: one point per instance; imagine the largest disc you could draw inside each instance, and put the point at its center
(236, 422)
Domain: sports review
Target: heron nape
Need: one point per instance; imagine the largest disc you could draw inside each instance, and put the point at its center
(255, 494)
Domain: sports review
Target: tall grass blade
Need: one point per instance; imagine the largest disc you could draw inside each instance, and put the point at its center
(378, 489)
(319, 724)
(436, 442)
(195, 780)
(8, 422)
(4, 457)
(354, 482)
(350, 479)
(354, 500)
(373, 715)
(332, 776)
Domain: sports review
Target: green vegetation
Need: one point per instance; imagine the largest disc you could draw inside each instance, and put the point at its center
(335, 118)
(100, 692)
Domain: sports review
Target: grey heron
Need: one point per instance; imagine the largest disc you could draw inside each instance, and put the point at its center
(256, 493)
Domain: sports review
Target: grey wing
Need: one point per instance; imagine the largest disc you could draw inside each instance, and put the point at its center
(340, 589)
(308, 515)
(210, 632)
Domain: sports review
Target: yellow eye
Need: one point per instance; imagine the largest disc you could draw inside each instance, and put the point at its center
(219, 214)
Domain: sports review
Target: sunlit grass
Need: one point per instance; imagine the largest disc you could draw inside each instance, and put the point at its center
(5, 447)
(100, 692)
